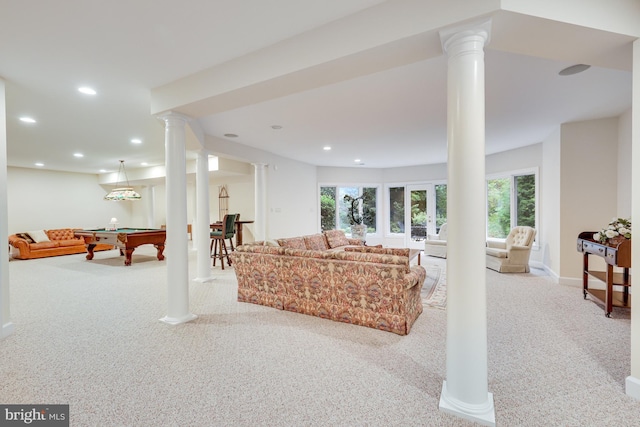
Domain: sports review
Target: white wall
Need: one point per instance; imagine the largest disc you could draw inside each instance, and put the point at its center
(241, 200)
(588, 185)
(624, 165)
(42, 199)
(331, 175)
(292, 198)
(550, 204)
(526, 157)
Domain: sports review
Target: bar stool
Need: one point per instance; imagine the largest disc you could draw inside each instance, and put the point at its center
(218, 248)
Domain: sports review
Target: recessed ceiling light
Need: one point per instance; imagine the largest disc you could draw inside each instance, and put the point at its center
(357, 160)
(144, 164)
(87, 90)
(78, 155)
(136, 141)
(230, 135)
(39, 164)
(276, 127)
(27, 120)
(574, 69)
(103, 170)
(326, 148)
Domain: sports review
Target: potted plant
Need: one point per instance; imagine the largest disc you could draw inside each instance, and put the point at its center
(356, 219)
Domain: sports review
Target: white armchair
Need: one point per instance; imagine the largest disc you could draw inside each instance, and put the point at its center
(436, 244)
(512, 255)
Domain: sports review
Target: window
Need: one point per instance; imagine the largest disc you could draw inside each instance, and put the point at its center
(498, 207)
(511, 201)
(327, 208)
(396, 210)
(334, 211)
(525, 192)
(441, 205)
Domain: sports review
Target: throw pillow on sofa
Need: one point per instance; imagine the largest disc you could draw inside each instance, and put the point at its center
(293, 243)
(38, 236)
(315, 242)
(336, 238)
(26, 237)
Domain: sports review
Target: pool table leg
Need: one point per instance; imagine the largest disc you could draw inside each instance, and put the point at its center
(160, 249)
(90, 251)
(127, 255)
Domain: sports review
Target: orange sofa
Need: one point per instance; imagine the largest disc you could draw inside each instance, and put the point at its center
(61, 242)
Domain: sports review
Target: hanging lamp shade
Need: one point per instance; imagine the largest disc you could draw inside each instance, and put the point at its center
(122, 193)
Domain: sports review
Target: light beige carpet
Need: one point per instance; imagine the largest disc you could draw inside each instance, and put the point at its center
(434, 290)
(88, 334)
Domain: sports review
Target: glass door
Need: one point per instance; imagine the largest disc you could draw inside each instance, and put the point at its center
(418, 215)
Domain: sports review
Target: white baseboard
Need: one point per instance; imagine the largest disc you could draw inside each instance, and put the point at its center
(632, 387)
(7, 329)
(204, 279)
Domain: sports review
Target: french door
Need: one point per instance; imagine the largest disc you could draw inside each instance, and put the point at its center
(419, 213)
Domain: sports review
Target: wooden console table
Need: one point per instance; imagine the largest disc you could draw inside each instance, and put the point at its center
(615, 255)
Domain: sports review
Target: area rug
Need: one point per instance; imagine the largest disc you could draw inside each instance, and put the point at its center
(434, 290)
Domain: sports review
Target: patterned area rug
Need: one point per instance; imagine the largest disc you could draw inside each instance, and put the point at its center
(434, 290)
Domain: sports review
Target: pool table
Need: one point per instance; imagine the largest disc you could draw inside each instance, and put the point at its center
(126, 239)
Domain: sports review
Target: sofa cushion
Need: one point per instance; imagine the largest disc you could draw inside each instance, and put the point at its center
(379, 250)
(61, 234)
(336, 238)
(26, 237)
(70, 242)
(293, 242)
(44, 245)
(38, 236)
(316, 242)
(498, 253)
(272, 250)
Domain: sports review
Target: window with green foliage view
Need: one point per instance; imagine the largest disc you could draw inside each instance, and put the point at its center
(511, 201)
(334, 210)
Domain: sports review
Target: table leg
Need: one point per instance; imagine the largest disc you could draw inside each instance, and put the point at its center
(127, 255)
(90, 251)
(160, 249)
(609, 291)
(239, 234)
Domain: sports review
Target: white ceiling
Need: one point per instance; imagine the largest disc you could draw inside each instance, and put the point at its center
(126, 48)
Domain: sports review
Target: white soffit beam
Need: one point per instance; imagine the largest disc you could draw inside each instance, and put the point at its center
(543, 38)
(614, 16)
(384, 36)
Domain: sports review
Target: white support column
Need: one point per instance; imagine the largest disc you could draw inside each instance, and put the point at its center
(260, 225)
(151, 209)
(6, 324)
(202, 230)
(465, 390)
(176, 245)
(632, 383)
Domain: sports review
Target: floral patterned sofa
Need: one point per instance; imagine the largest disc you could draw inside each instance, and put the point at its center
(361, 285)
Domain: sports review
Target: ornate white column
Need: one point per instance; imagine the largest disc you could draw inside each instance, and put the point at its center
(176, 246)
(202, 230)
(6, 325)
(260, 225)
(632, 383)
(465, 390)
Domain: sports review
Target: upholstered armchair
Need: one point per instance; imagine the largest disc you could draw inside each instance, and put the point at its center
(512, 255)
(436, 244)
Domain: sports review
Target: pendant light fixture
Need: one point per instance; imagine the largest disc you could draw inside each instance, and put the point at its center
(122, 193)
